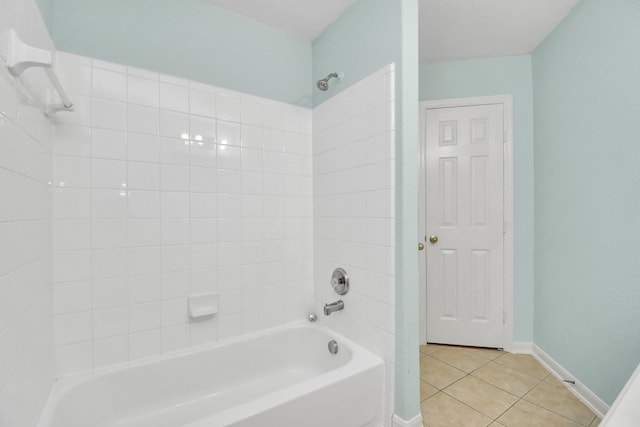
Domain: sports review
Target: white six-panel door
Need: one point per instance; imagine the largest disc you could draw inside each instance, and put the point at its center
(464, 219)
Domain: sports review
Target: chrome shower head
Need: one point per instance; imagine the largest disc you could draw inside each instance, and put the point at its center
(323, 84)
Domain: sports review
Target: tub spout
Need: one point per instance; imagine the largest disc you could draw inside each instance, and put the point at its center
(333, 307)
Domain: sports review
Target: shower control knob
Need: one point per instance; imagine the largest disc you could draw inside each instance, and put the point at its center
(340, 281)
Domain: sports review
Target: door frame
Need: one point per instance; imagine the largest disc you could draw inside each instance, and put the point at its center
(507, 102)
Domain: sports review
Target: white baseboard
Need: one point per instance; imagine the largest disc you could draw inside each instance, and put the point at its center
(413, 422)
(589, 398)
(519, 347)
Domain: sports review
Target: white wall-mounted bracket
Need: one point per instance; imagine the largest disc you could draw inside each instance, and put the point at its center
(21, 56)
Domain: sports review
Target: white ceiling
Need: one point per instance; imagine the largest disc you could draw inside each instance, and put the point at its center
(449, 29)
(464, 29)
(305, 19)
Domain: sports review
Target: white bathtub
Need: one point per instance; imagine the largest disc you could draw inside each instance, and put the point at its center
(283, 377)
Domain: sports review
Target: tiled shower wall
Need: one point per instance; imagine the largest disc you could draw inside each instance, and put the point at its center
(26, 289)
(165, 188)
(353, 161)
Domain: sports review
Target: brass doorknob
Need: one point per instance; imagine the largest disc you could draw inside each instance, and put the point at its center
(420, 246)
(433, 239)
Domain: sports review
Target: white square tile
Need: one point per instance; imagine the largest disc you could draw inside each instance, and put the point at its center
(229, 253)
(204, 281)
(229, 325)
(175, 151)
(251, 111)
(108, 174)
(252, 182)
(109, 292)
(144, 288)
(251, 136)
(174, 204)
(109, 85)
(228, 181)
(175, 284)
(202, 154)
(175, 337)
(143, 176)
(72, 297)
(252, 321)
(70, 140)
(173, 97)
(73, 358)
(109, 203)
(203, 256)
(204, 331)
(142, 119)
(229, 206)
(109, 144)
(75, 78)
(202, 129)
(273, 140)
(144, 204)
(174, 312)
(273, 162)
(228, 106)
(204, 205)
(108, 263)
(228, 133)
(229, 157)
(71, 203)
(73, 327)
(202, 103)
(203, 230)
(71, 171)
(143, 148)
(71, 234)
(145, 316)
(230, 301)
(174, 178)
(144, 260)
(143, 91)
(109, 322)
(272, 115)
(110, 351)
(143, 232)
(174, 124)
(69, 266)
(175, 231)
(108, 233)
(108, 114)
(230, 229)
(145, 344)
(203, 180)
(175, 258)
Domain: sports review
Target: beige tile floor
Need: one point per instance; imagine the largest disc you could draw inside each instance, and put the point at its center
(469, 387)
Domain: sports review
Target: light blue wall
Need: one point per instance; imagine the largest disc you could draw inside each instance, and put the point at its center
(499, 76)
(371, 34)
(46, 10)
(190, 39)
(587, 190)
(363, 40)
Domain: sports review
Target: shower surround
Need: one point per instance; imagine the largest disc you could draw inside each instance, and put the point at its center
(164, 188)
